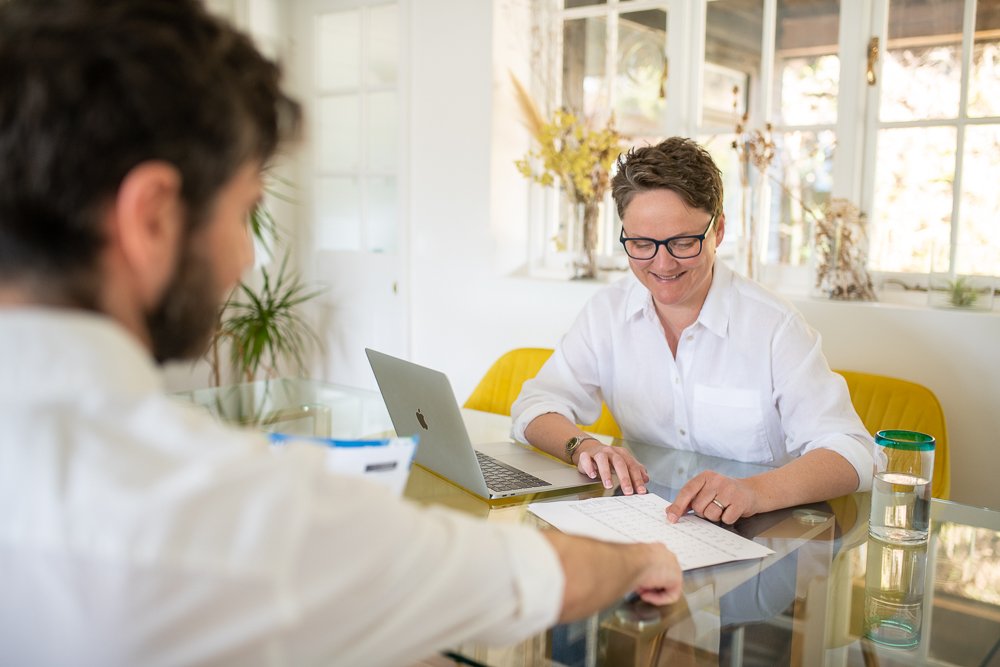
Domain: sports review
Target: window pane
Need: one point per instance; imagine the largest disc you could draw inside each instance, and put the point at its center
(733, 32)
(980, 209)
(338, 214)
(382, 45)
(914, 176)
(721, 149)
(808, 90)
(803, 171)
(338, 133)
(585, 86)
(338, 50)
(807, 65)
(382, 131)
(583, 3)
(921, 72)
(984, 82)
(382, 214)
(641, 79)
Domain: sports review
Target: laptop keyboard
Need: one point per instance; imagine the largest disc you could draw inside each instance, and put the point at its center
(502, 477)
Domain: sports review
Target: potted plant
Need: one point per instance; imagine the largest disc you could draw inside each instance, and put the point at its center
(263, 327)
(951, 288)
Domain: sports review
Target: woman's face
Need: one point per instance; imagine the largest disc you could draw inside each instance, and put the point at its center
(674, 283)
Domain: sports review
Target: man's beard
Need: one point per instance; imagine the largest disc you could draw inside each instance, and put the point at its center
(181, 326)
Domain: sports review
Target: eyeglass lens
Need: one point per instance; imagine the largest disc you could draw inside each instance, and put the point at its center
(683, 247)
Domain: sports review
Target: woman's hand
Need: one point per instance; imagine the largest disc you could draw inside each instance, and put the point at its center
(594, 459)
(716, 497)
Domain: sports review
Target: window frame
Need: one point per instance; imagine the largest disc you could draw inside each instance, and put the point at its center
(961, 122)
(856, 126)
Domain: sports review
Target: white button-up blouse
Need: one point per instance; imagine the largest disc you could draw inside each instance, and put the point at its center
(749, 382)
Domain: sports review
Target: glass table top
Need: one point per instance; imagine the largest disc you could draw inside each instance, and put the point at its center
(810, 603)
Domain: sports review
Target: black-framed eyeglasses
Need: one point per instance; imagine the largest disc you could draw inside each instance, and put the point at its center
(681, 247)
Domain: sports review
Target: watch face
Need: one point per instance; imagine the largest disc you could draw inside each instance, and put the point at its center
(572, 444)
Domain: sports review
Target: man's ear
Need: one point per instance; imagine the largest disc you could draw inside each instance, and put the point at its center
(720, 229)
(146, 224)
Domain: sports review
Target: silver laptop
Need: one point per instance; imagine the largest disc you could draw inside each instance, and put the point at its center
(421, 402)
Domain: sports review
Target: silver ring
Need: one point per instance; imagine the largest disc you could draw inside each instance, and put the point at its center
(721, 506)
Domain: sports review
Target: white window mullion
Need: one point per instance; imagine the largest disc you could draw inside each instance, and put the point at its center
(683, 38)
(968, 39)
(767, 49)
(872, 96)
(696, 19)
(611, 56)
(848, 161)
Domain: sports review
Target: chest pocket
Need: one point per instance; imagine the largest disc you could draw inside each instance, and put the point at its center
(730, 423)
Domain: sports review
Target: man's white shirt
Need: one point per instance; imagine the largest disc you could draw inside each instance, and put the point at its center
(136, 530)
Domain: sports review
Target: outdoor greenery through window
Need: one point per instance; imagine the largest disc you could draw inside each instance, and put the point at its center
(899, 115)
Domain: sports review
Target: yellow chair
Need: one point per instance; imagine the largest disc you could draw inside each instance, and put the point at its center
(885, 402)
(499, 388)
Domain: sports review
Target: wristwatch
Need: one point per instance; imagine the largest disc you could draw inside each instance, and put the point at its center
(574, 443)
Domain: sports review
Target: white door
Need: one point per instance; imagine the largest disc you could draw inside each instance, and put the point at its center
(348, 55)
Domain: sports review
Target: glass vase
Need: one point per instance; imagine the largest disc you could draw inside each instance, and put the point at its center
(584, 222)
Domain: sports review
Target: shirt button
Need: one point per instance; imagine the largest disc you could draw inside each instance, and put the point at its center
(677, 380)
(683, 432)
(690, 337)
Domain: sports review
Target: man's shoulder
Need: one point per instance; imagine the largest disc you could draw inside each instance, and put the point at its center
(166, 482)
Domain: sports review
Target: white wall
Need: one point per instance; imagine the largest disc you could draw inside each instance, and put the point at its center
(954, 353)
(468, 308)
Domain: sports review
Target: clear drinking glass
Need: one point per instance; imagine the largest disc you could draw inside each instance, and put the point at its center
(901, 491)
(894, 592)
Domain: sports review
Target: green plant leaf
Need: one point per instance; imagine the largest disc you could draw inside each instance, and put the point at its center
(264, 327)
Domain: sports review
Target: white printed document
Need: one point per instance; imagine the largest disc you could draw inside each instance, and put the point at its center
(642, 518)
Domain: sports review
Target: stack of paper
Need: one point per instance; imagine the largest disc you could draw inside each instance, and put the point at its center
(385, 462)
(643, 518)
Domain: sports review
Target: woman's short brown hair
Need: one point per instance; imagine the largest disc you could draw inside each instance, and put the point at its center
(677, 164)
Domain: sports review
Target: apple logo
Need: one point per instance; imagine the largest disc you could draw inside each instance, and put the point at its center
(421, 420)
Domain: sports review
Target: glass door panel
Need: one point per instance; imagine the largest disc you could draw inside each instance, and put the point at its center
(383, 45)
(338, 50)
(922, 66)
(338, 213)
(979, 252)
(913, 197)
(585, 83)
(338, 133)
(641, 77)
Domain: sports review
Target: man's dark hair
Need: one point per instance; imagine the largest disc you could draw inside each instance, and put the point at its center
(91, 88)
(677, 164)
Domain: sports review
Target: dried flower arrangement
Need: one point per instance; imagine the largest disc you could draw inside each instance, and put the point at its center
(577, 156)
(841, 252)
(753, 147)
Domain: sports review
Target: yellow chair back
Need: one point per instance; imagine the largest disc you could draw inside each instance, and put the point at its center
(885, 402)
(499, 388)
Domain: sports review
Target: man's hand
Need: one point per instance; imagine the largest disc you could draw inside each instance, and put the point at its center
(716, 497)
(663, 581)
(594, 458)
(599, 574)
